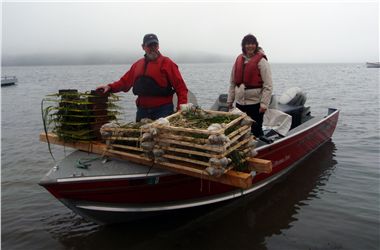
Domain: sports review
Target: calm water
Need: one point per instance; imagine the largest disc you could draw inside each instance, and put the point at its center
(331, 201)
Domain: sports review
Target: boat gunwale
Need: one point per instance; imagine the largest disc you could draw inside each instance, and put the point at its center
(301, 131)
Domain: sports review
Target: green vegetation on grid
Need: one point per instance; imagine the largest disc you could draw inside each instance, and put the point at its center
(238, 160)
(76, 116)
(199, 119)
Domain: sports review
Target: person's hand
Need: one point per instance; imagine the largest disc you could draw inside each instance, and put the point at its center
(103, 88)
(262, 109)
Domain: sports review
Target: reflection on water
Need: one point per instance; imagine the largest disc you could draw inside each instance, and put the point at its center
(246, 221)
(68, 225)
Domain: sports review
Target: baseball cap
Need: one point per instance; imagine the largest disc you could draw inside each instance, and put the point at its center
(149, 39)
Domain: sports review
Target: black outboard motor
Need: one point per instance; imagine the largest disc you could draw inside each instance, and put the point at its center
(220, 103)
(292, 103)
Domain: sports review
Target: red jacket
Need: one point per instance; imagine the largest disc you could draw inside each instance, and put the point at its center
(248, 73)
(164, 71)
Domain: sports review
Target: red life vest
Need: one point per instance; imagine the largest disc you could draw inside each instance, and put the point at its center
(149, 80)
(248, 73)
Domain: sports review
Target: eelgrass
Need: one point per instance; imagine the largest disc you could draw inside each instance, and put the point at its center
(76, 116)
(238, 160)
(200, 119)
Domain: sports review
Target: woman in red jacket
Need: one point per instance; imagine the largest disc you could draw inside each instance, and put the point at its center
(154, 79)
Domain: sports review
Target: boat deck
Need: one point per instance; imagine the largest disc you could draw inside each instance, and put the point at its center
(70, 168)
(231, 177)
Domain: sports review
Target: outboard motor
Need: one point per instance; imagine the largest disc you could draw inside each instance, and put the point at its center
(292, 102)
(220, 103)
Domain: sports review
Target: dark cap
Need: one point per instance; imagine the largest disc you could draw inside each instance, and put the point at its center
(149, 39)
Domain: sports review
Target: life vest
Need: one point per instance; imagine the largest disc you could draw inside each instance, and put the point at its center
(149, 80)
(248, 73)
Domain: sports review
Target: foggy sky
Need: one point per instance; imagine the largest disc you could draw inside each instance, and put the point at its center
(338, 31)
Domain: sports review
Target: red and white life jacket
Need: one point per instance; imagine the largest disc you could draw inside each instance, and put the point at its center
(248, 73)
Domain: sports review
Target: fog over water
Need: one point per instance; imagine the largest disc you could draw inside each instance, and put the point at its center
(35, 33)
(95, 58)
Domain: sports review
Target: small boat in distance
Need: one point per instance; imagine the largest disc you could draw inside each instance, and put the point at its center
(8, 81)
(373, 64)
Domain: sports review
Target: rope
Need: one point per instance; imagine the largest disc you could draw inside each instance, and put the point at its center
(84, 163)
(201, 187)
(45, 128)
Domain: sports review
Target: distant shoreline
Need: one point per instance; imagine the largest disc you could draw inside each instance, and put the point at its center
(105, 59)
(125, 58)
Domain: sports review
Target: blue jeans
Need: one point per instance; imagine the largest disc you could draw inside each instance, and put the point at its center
(154, 113)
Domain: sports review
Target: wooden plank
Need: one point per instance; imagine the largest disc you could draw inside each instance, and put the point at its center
(260, 165)
(179, 158)
(120, 138)
(193, 152)
(237, 179)
(244, 128)
(233, 178)
(190, 130)
(122, 129)
(219, 149)
(92, 147)
(127, 147)
(206, 111)
(182, 138)
(233, 122)
(236, 147)
(237, 137)
(172, 115)
(216, 112)
(194, 171)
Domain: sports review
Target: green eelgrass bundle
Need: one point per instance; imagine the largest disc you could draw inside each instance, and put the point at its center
(76, 116)
(199, 119)
(238, 159)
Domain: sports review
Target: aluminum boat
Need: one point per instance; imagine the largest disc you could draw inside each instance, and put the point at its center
(8, 81)
(116, 191)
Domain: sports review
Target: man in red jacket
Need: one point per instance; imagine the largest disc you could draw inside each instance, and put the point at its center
(154, 79)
